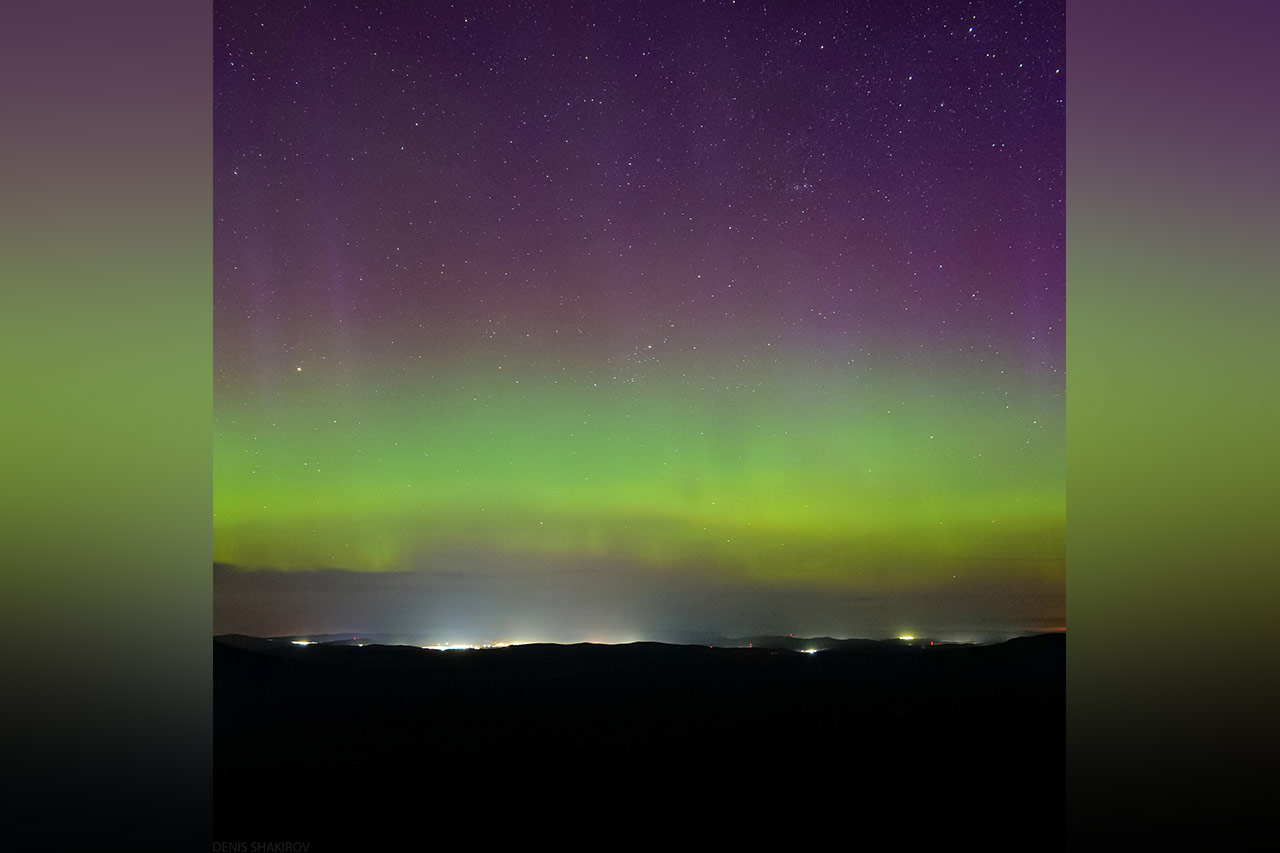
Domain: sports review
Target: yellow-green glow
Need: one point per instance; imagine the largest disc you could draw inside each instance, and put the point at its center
(789, 477)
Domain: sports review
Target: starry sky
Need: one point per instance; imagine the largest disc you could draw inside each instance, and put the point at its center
(615, 315)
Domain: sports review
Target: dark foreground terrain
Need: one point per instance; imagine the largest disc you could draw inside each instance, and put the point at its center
(910, 745)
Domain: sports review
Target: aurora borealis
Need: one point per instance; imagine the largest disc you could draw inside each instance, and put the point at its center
(753, 298)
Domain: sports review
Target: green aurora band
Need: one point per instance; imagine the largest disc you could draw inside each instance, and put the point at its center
(807, 473)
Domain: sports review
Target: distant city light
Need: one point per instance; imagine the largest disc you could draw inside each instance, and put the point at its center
(452, 647)
(809, 651)
(304, 642)
(906, 637)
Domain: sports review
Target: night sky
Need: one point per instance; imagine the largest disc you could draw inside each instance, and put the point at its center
(585, 320)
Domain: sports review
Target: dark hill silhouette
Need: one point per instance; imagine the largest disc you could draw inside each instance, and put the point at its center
(335, 742)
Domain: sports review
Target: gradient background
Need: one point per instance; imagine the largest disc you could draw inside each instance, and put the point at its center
(1170, 467)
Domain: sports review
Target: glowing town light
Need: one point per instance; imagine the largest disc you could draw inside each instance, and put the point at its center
(304, 642)
(906, 637)
(448, 647)
(809, 651)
